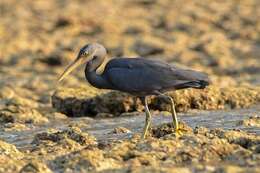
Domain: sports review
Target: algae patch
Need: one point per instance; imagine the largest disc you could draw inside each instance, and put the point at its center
(82, 102)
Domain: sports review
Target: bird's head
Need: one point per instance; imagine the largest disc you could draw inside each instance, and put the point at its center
(92, 54)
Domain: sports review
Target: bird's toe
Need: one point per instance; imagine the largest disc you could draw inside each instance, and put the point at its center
(180, 132)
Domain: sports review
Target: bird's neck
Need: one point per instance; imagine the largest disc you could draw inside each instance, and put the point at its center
(95, 79)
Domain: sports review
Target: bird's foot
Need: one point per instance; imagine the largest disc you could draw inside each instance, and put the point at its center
(180, 131)
(143, 135)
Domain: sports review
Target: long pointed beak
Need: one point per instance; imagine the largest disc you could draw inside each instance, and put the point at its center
(78, 61)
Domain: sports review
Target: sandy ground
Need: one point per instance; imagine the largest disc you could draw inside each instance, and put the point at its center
(39, 38)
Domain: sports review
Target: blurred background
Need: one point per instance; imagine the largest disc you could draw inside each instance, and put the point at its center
(39, 38)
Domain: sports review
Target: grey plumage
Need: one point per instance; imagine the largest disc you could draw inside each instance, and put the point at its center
(146, 77)
(138, 76)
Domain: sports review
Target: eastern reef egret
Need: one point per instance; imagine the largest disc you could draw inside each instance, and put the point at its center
(138, 76)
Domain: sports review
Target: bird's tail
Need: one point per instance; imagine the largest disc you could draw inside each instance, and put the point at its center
(200, 84)
(200, 81)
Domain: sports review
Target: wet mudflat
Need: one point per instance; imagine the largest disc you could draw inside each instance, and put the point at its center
(124, 127)
(212, 141)
(72, 127)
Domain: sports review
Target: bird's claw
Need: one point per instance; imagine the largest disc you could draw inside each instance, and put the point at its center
(179, 132)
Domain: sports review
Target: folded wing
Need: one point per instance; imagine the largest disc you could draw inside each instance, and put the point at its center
(143, 75)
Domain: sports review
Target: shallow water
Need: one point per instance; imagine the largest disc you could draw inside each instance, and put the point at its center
(101, 128)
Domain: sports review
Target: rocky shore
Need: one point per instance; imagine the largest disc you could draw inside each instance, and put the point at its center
(73, 127)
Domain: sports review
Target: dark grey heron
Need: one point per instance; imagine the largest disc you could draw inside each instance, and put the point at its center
(138, 76)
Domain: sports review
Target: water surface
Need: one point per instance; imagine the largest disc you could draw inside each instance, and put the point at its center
(101, 128)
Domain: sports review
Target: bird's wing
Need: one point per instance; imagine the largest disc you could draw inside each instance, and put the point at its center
(139, 75)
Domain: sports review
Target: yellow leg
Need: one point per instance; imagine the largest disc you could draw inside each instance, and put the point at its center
(147, 118)
(174, 115)
(174, 118)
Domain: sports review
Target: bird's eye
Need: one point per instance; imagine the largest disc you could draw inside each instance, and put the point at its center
(85, 53)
